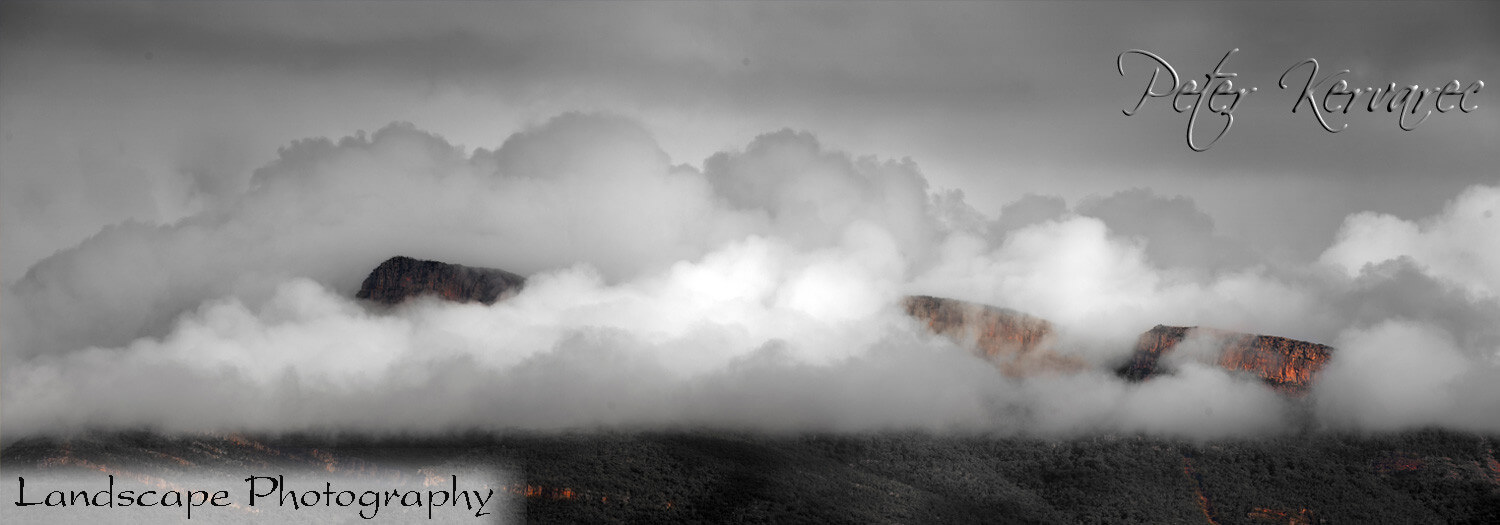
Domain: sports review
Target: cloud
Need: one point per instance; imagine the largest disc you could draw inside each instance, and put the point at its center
(1420, 346)
(1028, 210)
(1175, 232)
(806, 193)
(331, 210)
(1399, 290)
(758, 292)
(1102, 290)
(1402, 374)
(698, 346)
(1199, 401)
(1071, 272)
(673, 277)
(752, 336)
(1457, 246)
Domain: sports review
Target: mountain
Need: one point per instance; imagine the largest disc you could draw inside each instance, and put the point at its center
(1286, 364)
(399, 278)
(1018, 344)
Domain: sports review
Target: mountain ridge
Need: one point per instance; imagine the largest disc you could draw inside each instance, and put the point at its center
(1018, 344)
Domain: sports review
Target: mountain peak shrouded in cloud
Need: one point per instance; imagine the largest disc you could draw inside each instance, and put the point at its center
(761, 291)
(1288, 365)
(401, 277)
(1019, 345)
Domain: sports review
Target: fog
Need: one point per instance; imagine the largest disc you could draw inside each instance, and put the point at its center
(756, 289)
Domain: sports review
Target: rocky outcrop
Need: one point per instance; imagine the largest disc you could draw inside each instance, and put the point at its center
(399, 278)
(1020, 344)
(1017, 343)
(1149, 349)
(1289, 365)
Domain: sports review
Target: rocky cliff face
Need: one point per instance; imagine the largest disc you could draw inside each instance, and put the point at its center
(1288, 365)
(1015, 342)
(399, 278)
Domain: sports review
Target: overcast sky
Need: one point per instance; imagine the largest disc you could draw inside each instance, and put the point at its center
(152, 111)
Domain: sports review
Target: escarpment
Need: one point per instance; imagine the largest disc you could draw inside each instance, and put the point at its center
(1289, 365)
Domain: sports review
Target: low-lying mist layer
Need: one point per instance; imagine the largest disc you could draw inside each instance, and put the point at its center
(759, 292)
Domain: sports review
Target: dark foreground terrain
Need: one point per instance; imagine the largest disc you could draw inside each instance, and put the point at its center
(1416, 477)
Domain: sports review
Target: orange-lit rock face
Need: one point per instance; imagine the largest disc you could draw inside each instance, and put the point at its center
(1288, 365)
(401, 277)
(1016, 342)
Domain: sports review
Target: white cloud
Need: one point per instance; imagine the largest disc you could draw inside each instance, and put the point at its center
(759, 292)
(1460, 245)
(1398, 375)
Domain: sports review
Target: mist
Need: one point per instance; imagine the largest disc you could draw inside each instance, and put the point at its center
(756, 289)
